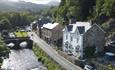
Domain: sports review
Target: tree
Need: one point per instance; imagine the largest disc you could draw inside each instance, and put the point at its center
(86, 8)
(4, 51)
(73, 13)
(77, 9)
(98, 7)
(5, 24)
(89, 51)
(109, 7)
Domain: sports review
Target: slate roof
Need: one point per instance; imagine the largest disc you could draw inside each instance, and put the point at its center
(99, 27)
(50, 25)
(80, 26)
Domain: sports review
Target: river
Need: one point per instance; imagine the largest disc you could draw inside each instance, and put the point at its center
(24, 59)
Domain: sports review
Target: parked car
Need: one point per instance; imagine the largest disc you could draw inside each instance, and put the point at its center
(108, 57)
(112, 43)
(89, 67)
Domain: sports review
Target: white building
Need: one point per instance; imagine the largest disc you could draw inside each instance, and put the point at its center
(73, 38)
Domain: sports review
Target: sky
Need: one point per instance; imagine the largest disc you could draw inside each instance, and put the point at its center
(36, 1)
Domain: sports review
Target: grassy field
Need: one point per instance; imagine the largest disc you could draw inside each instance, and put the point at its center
(21, 34)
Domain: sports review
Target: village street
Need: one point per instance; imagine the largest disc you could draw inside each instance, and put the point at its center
(53, 54)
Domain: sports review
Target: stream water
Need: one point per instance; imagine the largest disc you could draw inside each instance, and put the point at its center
(22, 60)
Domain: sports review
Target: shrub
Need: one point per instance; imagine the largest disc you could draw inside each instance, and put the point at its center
(45, 59)
(4, 51)
(89, 52)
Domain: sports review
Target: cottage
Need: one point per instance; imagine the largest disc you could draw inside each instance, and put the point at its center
(73, 38)
(52, 33)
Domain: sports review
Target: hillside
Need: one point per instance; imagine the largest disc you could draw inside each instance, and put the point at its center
(20, 6)
(101, 12)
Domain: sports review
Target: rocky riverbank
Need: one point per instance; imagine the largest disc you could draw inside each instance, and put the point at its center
(22, 60)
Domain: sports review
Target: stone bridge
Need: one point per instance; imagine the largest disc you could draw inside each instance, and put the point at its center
(19, 43)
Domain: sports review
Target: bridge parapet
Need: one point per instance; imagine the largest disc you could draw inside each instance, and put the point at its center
(14, 41)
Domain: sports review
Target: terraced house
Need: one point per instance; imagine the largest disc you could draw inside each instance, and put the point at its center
(75, 38)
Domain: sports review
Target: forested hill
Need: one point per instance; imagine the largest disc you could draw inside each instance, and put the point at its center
(8, 6)
(84, 9)
(100, 11)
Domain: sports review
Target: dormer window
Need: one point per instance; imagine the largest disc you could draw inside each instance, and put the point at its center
(81, 29)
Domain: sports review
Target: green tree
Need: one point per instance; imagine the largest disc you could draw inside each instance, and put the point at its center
(4, 51)
(98, 7)
(89, 51)
(5, 24)
(109, 7)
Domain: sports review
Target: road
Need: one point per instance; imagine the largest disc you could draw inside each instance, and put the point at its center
(53, 53)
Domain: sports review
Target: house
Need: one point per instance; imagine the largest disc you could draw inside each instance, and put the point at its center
(33, 25)
(80, 36)
(95, 38)
(52, 33)
(37, 24)
(40, 23)
(73, 38)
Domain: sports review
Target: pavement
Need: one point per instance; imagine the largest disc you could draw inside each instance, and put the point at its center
(53, 53)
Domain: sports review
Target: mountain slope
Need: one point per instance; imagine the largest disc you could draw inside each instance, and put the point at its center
(20, 6)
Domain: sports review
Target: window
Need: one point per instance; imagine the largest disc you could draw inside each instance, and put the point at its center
(77, 39)
(66, 37)
(77, 48)
(71, 38)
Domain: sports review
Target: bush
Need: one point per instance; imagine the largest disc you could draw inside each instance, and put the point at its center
(89, 52)
(45, 59)
(4, 51)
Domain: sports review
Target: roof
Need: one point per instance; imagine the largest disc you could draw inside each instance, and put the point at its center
(99, 28)
(81, 26)
(86, 25)
(50, 25)
(34, 22)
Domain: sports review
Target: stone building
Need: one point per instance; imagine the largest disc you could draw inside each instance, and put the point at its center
(52, 33)
(94, 37)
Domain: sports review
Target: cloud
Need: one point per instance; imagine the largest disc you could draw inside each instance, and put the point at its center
(36, 1)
